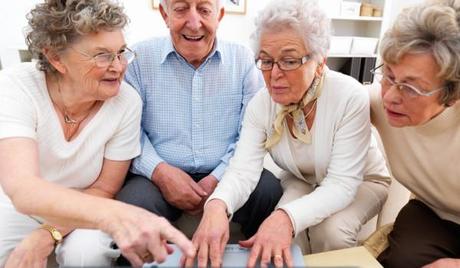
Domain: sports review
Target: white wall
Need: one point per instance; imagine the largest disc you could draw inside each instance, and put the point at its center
(145, 22)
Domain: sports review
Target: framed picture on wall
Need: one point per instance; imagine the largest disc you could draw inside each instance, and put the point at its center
(155, 3)
(231, 6)
(235, 6)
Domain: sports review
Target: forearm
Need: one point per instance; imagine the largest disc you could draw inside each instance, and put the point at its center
(64, 230)
(74, 209)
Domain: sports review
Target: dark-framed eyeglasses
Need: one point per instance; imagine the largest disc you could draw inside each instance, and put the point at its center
(104, 60)
(285, 64)
(406, 89)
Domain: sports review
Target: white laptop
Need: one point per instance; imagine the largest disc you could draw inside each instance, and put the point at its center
(234, 256)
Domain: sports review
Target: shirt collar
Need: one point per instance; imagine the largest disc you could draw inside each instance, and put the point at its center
(168, 49)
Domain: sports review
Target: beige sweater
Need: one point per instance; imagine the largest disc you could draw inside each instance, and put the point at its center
(425, 158)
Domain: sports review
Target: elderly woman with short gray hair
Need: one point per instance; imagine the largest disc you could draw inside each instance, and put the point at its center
(69, 128)
(314, 123)
(416, 110)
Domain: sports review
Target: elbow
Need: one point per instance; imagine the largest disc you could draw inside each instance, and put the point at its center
(21, 202)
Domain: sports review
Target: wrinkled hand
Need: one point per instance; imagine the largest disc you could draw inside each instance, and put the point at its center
(272, 240)
(208, 184)
(211, 236)
(444, 263)
(177, 187)
(33, 251)
(142, 236)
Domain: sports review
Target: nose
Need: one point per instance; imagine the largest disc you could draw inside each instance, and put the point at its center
(194, 19)
(391, 94)
(276, 71)
(117, 64)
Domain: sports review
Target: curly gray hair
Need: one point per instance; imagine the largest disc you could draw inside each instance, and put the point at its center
(57, 23)
(304, 16)
(432, 27)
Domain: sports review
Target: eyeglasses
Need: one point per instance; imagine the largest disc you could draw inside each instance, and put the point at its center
(405, 88)
(104, 60)
(285, 64)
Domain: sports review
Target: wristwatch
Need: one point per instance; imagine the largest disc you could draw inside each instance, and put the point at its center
(55, 234)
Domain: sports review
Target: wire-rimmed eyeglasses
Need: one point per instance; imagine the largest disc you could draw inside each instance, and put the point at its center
(104, 60)
(405, 88)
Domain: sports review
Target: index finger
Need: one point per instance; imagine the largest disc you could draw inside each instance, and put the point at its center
(254, 255)
(176, 237)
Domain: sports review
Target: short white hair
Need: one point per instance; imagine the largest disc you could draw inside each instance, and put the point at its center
(304, 16)
(220, 3)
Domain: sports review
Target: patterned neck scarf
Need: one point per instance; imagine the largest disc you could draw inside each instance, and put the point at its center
(300, 128)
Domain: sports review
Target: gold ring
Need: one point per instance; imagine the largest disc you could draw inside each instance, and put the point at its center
(147, 256)
(277, 256)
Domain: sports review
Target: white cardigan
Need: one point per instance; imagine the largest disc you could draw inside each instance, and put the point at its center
(341, 139)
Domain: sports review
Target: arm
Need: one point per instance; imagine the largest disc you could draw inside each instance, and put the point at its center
(146, 163)
(135, 230)
(238, 182)
(252, 82)
(344, 171)
(107, 185)
(444, 263)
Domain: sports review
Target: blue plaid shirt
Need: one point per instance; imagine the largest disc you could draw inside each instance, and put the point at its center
(191, 117)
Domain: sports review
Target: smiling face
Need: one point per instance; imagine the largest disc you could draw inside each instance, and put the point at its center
(419, 70)
(192, 25)
(286, 87)
(78, 70)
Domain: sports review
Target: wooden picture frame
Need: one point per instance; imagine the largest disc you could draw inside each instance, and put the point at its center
(235, 6)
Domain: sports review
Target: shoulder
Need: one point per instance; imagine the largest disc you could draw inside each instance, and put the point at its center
(24, 72)
(128, 98)
(23, 78)
(261, 105)
(343, 88)
(151, 43)
(234, 51)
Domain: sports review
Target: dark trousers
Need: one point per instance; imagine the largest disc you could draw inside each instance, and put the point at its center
(140, 191)
(420, 237)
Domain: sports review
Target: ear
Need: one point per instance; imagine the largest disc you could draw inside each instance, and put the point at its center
(54, 59)
(320, 67)
(221, 14)
(164, 14)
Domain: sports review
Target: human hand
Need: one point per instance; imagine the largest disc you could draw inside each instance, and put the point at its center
(33, 251)
(142, 236)
(272, 240)
(444, 263)
(211, 236)
(177, 187)
(208, 184)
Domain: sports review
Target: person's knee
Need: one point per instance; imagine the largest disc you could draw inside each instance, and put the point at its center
(268, 190)
(86, 248)
(331, 234)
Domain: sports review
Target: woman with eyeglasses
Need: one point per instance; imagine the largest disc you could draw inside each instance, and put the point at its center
(69, 127)
(416, 111)
(314, 123)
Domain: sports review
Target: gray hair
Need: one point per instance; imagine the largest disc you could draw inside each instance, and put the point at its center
(57, 23)
(432, 27)
(304, 16)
